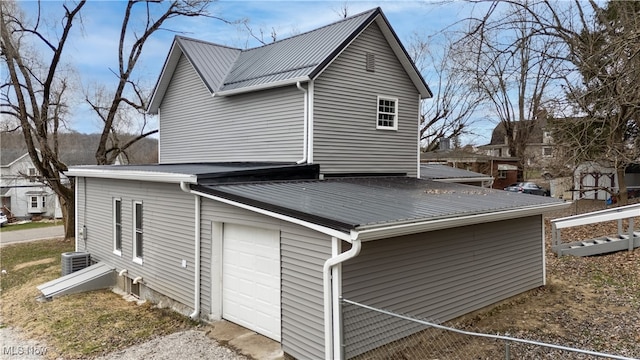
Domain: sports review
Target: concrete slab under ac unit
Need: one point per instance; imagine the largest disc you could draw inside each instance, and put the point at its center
(94, 277)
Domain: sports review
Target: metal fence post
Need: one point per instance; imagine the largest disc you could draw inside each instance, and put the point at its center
(507, 350)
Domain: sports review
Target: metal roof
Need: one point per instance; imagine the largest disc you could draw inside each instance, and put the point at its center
(439, 171)
(295, 56)
(199, 172)
(211, 61)
(358, 203)
(226, 71)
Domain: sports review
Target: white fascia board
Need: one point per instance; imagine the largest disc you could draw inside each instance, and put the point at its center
(133, 175)
(376, 232)
(265, 86)
(408, 66)
(165, 78)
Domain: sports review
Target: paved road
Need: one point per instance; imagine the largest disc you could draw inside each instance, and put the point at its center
(18, 236)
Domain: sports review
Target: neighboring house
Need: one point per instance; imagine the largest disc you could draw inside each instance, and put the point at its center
(503, 170)
(449, 174)
(24, 193)
(288, 178)
(540, 149)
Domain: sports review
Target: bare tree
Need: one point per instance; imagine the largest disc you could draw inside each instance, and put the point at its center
(37, 91)
(449, 114)
(514, 69)
(35, 94)
(128, 92)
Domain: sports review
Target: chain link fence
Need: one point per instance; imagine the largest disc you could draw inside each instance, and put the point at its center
(371, 333)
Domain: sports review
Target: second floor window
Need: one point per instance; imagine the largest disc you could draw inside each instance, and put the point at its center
(387, 113)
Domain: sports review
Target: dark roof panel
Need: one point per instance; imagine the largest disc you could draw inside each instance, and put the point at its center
(347, 203)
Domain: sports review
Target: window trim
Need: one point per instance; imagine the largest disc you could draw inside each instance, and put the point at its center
(117, 227)
(137, 258)
(37, 201)
(395, 114)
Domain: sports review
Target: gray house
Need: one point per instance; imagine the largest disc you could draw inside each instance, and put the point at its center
(288, 177)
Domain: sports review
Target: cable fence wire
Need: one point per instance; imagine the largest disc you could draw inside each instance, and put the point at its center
(371, 333)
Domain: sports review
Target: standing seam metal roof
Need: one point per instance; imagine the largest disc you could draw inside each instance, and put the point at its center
(348, 203)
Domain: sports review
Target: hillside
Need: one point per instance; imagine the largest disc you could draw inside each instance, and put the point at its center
(79, 149)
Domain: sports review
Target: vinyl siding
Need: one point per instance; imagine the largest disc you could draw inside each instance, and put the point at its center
(168, 232)
(303, 253)
(260, 126)
(344, 109)
(440, 275)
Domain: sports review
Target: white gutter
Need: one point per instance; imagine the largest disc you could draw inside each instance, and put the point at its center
(132, 175)
(196, 268)
(262, 86)
(332, 329)
(463, 179)
(375, 232)
(306, 119)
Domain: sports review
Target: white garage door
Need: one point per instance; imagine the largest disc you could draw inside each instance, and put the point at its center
(251, 278)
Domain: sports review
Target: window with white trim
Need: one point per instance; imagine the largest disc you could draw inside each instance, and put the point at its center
(387, 113)
(33, 202)
(137, 232)
(117, 227)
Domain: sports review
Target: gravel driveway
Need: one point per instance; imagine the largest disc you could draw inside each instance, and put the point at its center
(190, 344)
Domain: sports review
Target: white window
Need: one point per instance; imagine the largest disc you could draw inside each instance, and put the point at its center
(547, 151)
(502, 174)
(137, 232)
(44, 202)
(33, 202)
(387, 113)
(117, 227)
(32, 174)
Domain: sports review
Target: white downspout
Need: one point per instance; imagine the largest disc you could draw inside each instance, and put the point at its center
(306, 120)
(196, 269)
(310, 123)
(328, 293)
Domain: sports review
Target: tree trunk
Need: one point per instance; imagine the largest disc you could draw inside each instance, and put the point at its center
(68, 206)
(623, 197)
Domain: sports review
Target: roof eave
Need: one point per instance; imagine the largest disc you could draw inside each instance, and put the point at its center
(265, 86)
(381, 231)
(403, 56)
(132, 175)
(170, 64)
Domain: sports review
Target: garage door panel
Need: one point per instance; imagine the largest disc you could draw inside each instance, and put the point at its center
(251, 278)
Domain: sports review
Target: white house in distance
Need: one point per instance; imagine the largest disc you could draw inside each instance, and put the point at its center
(289, 177)
(23, 192)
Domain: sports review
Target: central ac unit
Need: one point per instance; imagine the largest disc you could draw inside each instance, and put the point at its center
(74, 261)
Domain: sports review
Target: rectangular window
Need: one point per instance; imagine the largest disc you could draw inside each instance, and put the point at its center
(547, 151)
(387, 113)
(44, 202)
(137, 231)
(117, 227)
(32, 174)
(33, 200)
(502, 174)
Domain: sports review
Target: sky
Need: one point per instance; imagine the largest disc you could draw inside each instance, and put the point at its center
(92, 48)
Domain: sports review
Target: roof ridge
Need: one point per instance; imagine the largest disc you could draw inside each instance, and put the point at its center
(180, 37)
(370, 11)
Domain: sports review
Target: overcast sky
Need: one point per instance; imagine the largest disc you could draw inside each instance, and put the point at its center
(92, 49)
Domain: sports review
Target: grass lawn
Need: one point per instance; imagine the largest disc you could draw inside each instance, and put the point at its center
(79, 325)
(30, 225)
